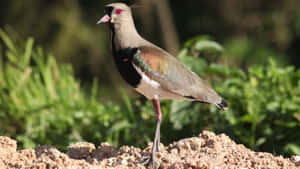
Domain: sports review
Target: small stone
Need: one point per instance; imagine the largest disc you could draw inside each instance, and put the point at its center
(296, 160)
(80, 150)
(104, 151)
(7, 145)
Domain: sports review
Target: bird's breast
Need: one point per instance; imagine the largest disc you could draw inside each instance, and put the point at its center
(123, 61)
(133, 75)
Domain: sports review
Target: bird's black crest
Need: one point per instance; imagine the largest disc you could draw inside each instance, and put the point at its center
(129, 3)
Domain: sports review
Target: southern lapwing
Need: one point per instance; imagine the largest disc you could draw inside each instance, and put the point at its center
(152, 71)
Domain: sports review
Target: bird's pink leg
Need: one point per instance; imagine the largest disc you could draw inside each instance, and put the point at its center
(156, 106)
(158, 116)
(156, 142)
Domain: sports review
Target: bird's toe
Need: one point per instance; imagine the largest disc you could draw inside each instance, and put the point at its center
(146, 160)
(150, 161)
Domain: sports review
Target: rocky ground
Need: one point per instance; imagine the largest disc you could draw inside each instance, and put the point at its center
(207, 151)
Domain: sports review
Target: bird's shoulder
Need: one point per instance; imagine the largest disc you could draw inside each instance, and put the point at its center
(153, 59)
(162, 67)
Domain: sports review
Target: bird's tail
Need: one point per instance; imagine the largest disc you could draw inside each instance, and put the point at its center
(222, 105)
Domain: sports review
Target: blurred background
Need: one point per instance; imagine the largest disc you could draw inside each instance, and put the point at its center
(68, 30)
(255, 45)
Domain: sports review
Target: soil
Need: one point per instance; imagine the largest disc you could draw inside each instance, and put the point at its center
(206, 151)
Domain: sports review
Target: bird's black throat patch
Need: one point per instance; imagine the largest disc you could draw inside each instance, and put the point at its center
(123, 59)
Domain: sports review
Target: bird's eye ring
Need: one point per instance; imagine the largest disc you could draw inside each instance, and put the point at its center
(118, 11)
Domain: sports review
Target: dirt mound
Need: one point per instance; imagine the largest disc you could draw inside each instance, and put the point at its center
(207, 151)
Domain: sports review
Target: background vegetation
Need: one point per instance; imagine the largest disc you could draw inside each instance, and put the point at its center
(74, 93)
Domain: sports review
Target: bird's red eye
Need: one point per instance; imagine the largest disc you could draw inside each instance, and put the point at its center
(118, 11)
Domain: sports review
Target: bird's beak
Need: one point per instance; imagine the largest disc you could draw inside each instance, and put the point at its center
(104, 19)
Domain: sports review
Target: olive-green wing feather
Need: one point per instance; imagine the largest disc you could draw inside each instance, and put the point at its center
(172, 76)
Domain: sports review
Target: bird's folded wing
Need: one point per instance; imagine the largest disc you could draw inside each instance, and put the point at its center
(160, 66)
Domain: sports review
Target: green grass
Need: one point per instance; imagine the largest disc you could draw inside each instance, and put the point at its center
(42, 103)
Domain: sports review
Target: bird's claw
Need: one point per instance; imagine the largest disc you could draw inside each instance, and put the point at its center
(147, 160)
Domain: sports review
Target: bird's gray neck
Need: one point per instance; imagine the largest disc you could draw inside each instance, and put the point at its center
(126, 36)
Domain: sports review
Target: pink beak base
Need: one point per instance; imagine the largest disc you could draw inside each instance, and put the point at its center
(104, 19)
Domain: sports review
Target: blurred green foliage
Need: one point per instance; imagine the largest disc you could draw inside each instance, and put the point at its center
(67, 29)
(42, 103)
(264, 103)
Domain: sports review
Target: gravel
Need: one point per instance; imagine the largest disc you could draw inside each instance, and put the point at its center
(206, 151)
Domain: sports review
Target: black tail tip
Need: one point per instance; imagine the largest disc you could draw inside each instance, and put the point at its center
(223, 105)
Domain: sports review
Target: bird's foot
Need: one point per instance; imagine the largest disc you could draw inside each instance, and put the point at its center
(148, 160)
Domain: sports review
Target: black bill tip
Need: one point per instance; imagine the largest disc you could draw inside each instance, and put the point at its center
(223, 105)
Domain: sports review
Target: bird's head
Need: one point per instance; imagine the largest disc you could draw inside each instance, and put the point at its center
(115, 13)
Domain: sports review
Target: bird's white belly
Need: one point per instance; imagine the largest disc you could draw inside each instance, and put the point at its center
(152, 89)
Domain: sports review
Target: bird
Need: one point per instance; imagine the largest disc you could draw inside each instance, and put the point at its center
(152, 71)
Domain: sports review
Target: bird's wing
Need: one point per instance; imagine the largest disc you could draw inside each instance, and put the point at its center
(172, 76)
